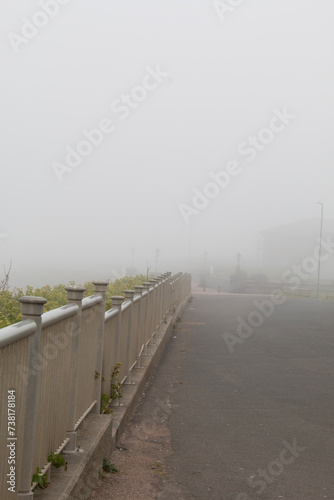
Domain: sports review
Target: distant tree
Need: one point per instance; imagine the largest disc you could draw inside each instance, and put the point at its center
(4, 283)
(9, 306)
(56, 296)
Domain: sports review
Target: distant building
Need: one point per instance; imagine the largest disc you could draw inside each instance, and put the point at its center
(297, 244)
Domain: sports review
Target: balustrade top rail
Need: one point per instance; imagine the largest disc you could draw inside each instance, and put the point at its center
(18, 331)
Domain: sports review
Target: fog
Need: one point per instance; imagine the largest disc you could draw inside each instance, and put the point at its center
(188, 126)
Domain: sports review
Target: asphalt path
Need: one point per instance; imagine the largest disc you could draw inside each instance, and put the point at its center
(252, 413)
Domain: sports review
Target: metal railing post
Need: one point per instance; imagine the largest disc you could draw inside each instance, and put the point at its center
(31, 308)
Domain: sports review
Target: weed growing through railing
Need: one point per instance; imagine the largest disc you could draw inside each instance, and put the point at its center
(104, 406)
(40, 479)
(116, 386)
(115, 389)
(57, 460)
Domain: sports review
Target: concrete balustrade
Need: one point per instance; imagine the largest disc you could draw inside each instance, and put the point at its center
(61, 361)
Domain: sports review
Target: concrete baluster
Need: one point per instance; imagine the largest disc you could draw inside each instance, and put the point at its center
(129, 295)
(153, 283)
(100, 287)
(74, 296)
(139, 327)
(147, 317)
(31, 308)
(117, 301)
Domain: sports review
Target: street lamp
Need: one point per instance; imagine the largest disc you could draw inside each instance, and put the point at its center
(157, 253)
(204, 277)
(322, 215)
(238, 260)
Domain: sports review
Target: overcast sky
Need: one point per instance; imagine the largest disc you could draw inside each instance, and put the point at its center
(191, 96)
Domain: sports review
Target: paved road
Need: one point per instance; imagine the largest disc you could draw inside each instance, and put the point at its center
(252, 415)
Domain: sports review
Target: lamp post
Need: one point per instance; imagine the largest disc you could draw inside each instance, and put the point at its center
(322, 215)
(157, 253)
(238, 260)
(204, 277)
